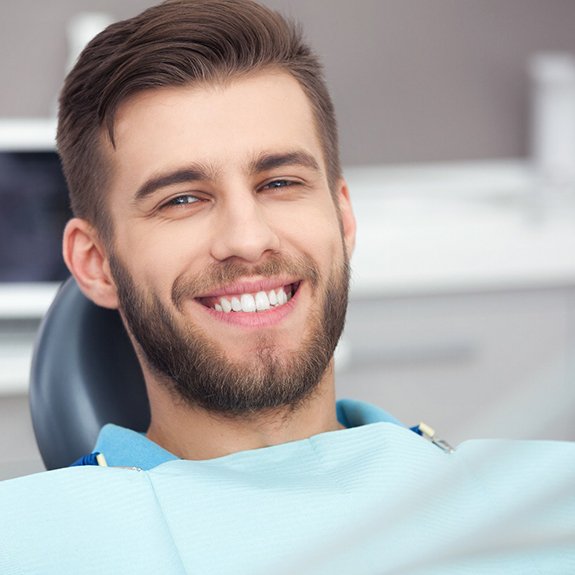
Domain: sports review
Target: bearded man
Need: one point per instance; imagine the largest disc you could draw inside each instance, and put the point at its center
(199, 144)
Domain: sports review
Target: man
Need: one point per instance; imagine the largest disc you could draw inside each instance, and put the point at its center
(199, 144)
(224, 231)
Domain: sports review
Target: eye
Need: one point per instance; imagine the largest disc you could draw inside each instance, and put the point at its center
(182, 200)
(276, 184)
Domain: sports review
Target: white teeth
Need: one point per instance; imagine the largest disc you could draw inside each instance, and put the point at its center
(273, 297)
(261, 301)
(248, 302)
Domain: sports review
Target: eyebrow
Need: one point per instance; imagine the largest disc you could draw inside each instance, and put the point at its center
(197, 173)
(194, 173)
(266, 162)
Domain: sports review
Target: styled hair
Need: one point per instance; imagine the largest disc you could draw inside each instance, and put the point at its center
(176, 43)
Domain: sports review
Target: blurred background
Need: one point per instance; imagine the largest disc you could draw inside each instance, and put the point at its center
(457, 127)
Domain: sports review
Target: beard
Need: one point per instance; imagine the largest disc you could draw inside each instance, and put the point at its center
(196, 369)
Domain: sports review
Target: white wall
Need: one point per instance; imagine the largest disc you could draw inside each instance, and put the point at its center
(413, 80)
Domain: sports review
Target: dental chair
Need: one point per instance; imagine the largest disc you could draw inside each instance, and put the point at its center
(84, 374)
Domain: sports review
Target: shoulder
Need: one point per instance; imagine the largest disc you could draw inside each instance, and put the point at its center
(519, 469)
(65, 491)
(82, 520)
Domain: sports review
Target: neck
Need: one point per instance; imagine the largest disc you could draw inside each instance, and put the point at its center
(190, 432)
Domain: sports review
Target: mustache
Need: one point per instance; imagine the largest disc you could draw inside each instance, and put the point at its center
(219, 274)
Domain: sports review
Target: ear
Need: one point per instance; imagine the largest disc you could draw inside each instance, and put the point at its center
(346, 216)
(87, 260)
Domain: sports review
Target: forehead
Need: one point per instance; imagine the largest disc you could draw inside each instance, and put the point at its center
(221, 125)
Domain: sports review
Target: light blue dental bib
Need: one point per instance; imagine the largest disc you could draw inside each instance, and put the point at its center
(372, 499)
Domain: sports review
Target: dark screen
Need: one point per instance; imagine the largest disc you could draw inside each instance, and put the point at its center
(33, 211)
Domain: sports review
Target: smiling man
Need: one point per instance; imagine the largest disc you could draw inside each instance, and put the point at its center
(200, 148)
(227, 256)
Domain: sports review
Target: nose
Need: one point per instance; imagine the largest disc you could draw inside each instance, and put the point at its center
(243, 230)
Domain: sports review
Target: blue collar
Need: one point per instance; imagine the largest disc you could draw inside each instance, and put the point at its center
(126, 448)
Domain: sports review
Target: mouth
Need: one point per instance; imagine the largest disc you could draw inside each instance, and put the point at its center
(236, 300)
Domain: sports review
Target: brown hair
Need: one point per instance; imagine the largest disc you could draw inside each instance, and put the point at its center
(173, 44)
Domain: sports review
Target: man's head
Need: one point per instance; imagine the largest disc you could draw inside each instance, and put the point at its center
(177, 43)
(226, 228)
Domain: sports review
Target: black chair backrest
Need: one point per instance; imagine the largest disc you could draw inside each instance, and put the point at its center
(84, 374)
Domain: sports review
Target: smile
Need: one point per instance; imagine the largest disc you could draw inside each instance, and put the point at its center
(255, 302)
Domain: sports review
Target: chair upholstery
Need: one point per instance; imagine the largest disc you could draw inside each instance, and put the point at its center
(84, 374)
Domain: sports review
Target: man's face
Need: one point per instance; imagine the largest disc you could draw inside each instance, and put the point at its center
(229, 256)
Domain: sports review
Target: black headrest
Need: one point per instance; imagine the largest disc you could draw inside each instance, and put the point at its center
(84, 374)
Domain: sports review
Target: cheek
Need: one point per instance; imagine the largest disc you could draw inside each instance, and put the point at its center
(316, 233)
(155, 258)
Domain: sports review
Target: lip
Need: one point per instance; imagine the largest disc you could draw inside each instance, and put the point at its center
(252, 286)
(260, 319)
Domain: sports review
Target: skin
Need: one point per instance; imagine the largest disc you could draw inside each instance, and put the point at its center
(237, 211)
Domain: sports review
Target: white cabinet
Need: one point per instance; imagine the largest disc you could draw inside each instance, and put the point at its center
(19, 454)
(499, 364)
